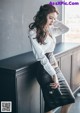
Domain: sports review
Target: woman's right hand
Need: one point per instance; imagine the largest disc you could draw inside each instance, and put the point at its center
(55, 83)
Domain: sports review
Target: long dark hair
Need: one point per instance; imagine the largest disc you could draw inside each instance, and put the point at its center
(40, 20)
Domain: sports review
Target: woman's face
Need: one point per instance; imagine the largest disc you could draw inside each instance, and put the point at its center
(51, 17)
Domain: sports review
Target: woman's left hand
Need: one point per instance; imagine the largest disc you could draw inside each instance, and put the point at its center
(55, 83)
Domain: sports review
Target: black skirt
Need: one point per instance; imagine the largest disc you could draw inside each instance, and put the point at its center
(53, 98)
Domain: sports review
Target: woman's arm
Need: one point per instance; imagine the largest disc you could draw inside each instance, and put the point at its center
(39, 54)
(58, 28)
(52, 60)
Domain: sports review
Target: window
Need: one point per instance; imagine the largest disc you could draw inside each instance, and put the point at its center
(72, 20)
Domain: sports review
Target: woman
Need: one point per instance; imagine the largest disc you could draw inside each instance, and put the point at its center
(42, 33)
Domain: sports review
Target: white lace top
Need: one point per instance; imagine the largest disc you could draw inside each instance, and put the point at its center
(39, 50)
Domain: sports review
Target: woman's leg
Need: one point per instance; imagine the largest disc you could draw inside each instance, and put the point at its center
(65, 108)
